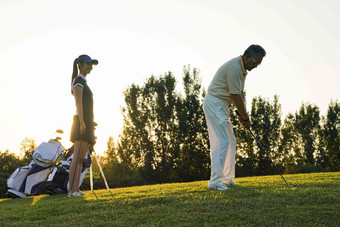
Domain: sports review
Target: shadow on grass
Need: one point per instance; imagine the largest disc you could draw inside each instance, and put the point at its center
(259, 201)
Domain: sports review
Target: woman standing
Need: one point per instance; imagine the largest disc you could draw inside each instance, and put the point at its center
(82, 132)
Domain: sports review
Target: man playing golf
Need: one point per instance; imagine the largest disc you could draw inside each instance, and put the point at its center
(225, 89)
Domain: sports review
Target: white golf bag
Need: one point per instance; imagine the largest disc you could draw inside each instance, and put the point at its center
(28, 180)
(58, 181)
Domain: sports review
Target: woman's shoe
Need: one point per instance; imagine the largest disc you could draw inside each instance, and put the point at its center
(74, 194)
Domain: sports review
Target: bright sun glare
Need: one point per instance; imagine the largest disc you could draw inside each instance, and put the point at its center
(136, 39)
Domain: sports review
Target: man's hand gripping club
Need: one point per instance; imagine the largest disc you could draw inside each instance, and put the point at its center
(245, 124)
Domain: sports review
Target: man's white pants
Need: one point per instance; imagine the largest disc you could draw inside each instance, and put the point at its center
(222, 139)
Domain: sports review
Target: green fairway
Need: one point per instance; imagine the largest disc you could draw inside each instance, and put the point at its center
(258, 201)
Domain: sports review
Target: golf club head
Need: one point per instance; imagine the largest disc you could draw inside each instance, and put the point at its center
(294, 185)
(59, 131)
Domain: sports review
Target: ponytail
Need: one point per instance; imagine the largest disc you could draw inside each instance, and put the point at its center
(74, 73)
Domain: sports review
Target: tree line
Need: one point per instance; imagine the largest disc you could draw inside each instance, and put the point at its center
(165, 139)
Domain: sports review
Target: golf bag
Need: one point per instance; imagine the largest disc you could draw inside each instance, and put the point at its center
(28, 180)
(58, 182)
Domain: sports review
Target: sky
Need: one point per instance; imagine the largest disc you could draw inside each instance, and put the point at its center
(134, 39)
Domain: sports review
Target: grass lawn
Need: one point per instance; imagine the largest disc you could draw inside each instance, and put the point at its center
(257, 201)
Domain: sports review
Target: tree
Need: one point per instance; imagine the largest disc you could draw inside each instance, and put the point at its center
(307, 124)
(111, 151)
(266, 122)
(27, 148)
(8, 162)
(193, 163)
(149, 125)
(290, 145)
(118, 173)
(331, 138)
(164, 134)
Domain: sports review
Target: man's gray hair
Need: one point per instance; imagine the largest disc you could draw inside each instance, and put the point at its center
(254, 50)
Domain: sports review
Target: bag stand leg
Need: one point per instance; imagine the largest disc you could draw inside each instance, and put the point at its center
(101, 171)
(91, 178)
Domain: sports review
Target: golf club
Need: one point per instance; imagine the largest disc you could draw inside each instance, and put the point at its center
(262, 148)
(59, 131)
